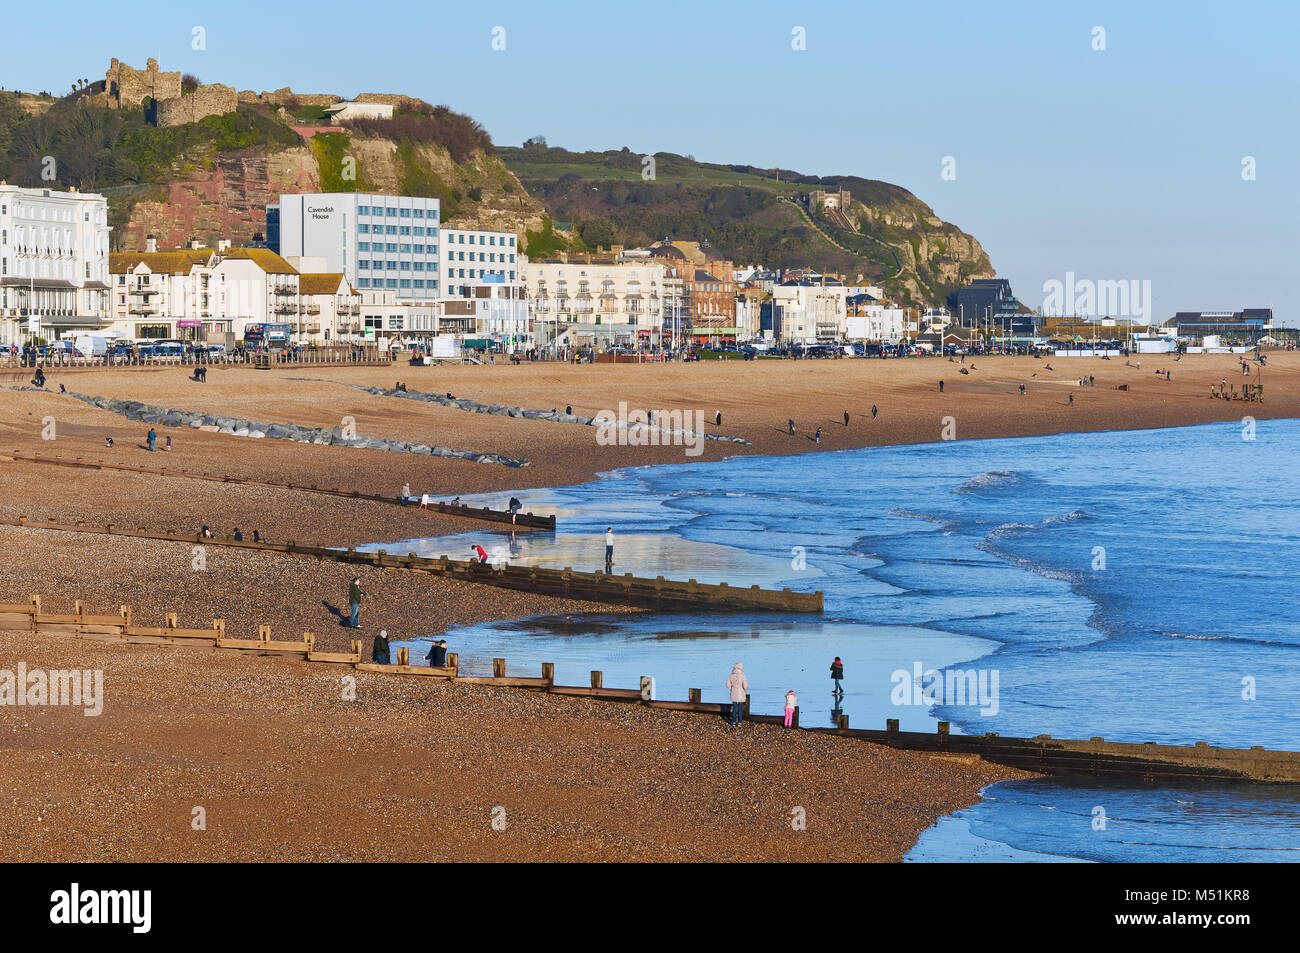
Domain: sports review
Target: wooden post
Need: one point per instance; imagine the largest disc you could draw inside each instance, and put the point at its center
(548, 672)
(403, 656)
(498, 668)
(747, 704)
(597, 680)
(943, 729)
(453, 662)
(693, 695)
(794, 722)
(891, 724)
(843, 723)
(264, 633)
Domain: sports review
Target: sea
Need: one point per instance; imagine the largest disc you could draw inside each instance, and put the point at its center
(1136, 585)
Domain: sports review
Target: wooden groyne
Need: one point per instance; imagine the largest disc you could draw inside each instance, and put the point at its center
(524, 520)
(1148, 762)
(658, 593)
(1096, 757)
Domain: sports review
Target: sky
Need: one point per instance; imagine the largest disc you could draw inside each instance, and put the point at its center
(1135, 141)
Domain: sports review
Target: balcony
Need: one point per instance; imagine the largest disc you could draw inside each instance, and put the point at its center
(284, 308)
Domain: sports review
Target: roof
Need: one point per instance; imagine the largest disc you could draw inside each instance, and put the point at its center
(176, 262)
(320, 283)
(264, 258)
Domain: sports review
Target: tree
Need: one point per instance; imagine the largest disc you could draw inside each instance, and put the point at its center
(189, 83)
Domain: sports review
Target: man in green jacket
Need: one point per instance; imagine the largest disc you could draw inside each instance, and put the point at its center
(354, 602)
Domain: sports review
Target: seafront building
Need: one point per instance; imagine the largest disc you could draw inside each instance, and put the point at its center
(595, 302)
(808, 311)
(380, 242)
(54, 269)
(204, 295)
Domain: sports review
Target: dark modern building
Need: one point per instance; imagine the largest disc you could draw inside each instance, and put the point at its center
(1248, 322)
(989, 302)
(273, 228)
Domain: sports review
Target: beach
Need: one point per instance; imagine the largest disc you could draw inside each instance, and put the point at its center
(591, 780)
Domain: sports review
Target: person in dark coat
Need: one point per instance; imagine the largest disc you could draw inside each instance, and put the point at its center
(437, 654)
(379, 652)
(837, 675)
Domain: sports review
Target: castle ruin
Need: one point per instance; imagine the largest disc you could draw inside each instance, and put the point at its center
(126, 87)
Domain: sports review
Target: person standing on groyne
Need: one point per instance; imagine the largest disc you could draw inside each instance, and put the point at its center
(514, 509)
(609, 548)
(355, 592)
(837, 675)
(739, 688)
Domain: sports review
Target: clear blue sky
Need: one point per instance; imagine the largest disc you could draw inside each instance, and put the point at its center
(1117, 164)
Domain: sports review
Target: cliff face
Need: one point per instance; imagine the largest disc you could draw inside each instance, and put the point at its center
(225, 195)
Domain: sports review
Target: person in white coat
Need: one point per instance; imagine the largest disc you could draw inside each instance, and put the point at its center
(739, 688)
(791, 700)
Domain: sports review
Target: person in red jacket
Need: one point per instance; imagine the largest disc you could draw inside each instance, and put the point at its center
(480, 552)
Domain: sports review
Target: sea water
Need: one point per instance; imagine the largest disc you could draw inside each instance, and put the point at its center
(1136, 585)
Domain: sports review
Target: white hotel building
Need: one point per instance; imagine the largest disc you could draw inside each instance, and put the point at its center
(53, 262)
(380, 242)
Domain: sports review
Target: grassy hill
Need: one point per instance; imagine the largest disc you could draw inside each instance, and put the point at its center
(754, 215)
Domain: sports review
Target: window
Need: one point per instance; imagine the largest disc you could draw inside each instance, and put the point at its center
(363, 246)
(405, 213)
(363, 282)
(363, 209)
(363, 229)
(404, 230)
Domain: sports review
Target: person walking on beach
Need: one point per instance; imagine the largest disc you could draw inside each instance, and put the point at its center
(873, 411)
(837, 675)
(152, 440)
(846, 418)
(514, 509)
(941, 387)
(791, 700)
(717, 419)
(406, 493)
(791, 425)
(424, 501)
(1072, 400)
(609, 548)
(355, 592)
(739, 687)
(168, 445)
(818, 437)
(379, 651)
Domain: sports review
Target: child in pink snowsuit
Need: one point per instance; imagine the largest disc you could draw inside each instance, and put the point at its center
(790, 702)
